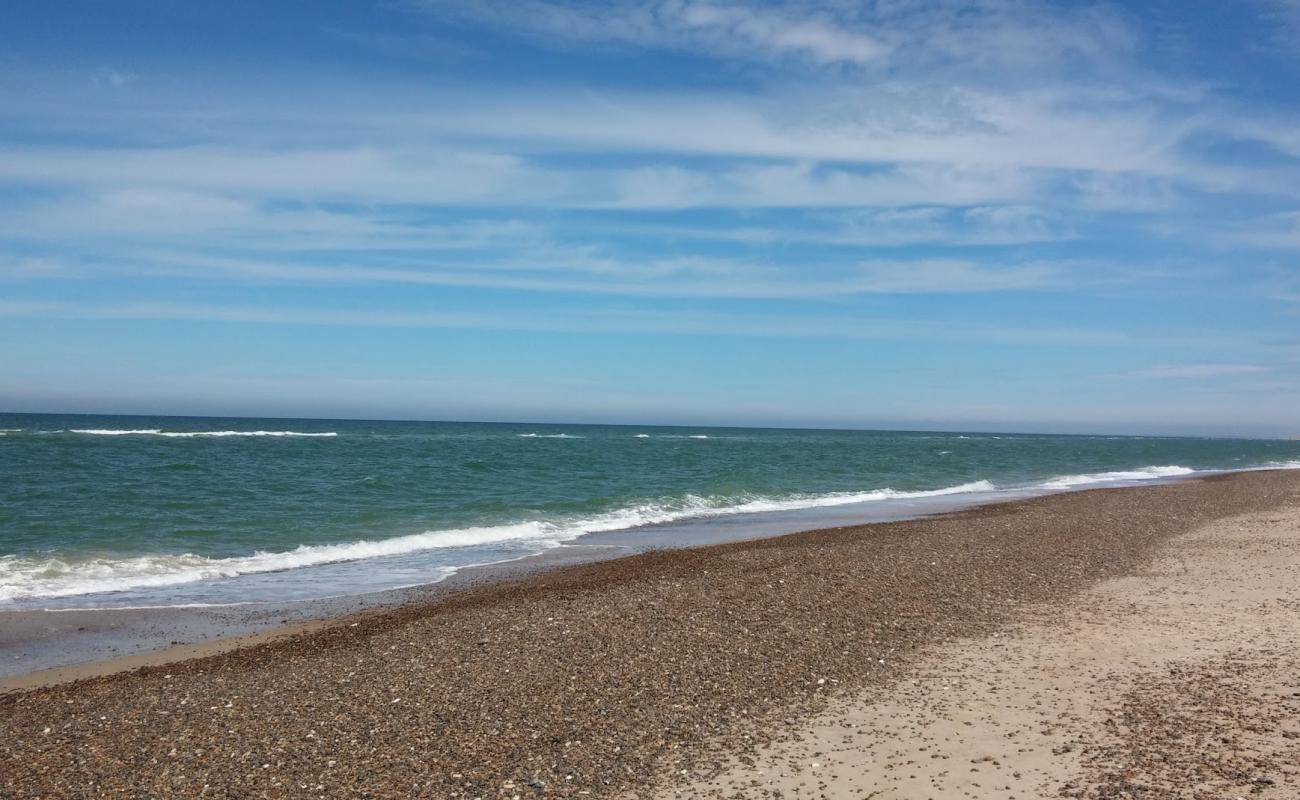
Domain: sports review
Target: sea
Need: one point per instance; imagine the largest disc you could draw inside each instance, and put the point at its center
(133, 511)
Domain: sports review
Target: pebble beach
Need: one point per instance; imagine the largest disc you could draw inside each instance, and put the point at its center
(650, 675)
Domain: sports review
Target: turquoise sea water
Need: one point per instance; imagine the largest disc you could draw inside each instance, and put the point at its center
(101, 511)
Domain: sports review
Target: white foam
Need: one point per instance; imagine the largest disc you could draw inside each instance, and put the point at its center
(693, 436)
(192, 434)
(848, 498)
(1281, 465)
(549, 436)
(643, 436)
(23, 578)
(1142, 474)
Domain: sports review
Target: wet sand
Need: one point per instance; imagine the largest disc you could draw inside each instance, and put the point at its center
(637, 675)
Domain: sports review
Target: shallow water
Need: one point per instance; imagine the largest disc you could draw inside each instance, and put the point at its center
(131, 511)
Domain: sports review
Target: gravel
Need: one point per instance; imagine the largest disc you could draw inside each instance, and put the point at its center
(591, 681)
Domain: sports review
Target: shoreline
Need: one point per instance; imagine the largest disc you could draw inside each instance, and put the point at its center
(159, 635)
(262, 623)
(73, 643)
(598, 677)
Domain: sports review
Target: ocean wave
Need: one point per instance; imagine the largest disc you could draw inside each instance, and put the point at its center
(192, 434)
(548, 436)
(1123, 476)
(1280, 465)
(848, 498)
(26, 578)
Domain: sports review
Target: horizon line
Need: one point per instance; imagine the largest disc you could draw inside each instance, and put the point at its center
(714, 426)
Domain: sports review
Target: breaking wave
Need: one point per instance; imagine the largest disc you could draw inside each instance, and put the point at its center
(549, 436)
(192, 434)
(26, 578)
(1143, 474)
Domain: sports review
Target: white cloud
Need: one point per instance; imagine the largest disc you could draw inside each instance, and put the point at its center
(881, 122)
(34, 268)
(1131, 192)
(1279, 231)
(1199, 371)
(112, 78)
(807, 184)
(1283, 16)
(889, 143)
(987, 34)
(977, 225)
(364, 173)
(744, 31)
(30, 308)
(991, 225)
(818, 37)
(580, 270)
(174, 218)
(587, 319)
(192, 175)
(403, 175)
(955, 277)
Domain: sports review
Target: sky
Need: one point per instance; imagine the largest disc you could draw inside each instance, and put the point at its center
(988, 215)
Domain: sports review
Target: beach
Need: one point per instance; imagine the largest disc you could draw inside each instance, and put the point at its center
(686, 672)
(683, 400)
(1176, 681)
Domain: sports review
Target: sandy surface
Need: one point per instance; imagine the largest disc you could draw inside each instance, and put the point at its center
(600, 679)
(1182, 681)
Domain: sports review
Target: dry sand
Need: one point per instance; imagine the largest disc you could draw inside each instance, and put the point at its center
(624, 676)
(1182, 681)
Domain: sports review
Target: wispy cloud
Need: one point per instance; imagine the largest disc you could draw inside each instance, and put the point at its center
(993, 226)
(1278, 231)
(743, 31)
(885, 145)
(112, 78)
(22, 268)
(1284, 17)
(931, 34)
(586, 319)
(976, 225)
(1199, 371)
(1018, 172)
(584, 272)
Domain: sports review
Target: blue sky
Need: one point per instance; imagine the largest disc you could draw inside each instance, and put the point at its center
(1010, 215)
